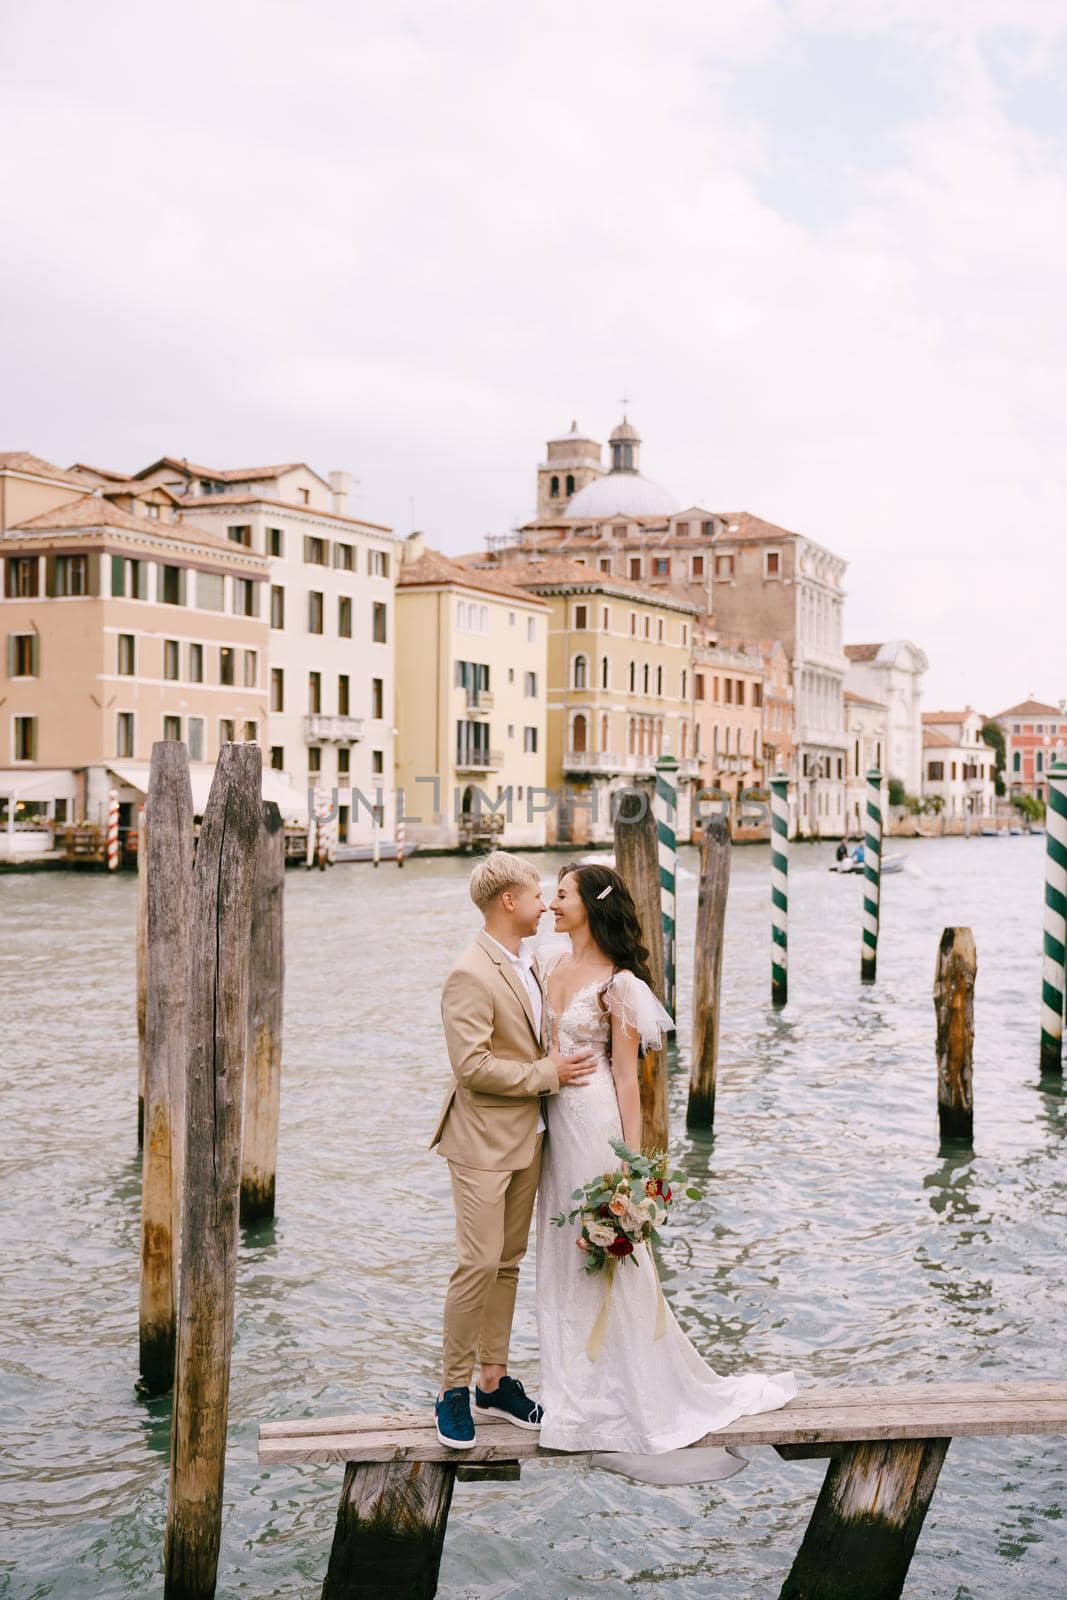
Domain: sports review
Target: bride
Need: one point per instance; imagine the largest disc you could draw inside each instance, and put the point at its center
(642, 1399)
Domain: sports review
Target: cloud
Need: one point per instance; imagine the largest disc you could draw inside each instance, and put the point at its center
(820, 244)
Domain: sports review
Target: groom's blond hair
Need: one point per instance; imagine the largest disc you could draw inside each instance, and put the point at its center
(497, 872)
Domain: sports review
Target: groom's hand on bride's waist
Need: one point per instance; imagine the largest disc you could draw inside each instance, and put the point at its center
(573, 1071)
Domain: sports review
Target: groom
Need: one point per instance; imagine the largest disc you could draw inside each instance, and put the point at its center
(490, 1132)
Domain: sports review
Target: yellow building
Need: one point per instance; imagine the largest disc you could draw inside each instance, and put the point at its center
(123, 625)
(619, 691)
(470, 705)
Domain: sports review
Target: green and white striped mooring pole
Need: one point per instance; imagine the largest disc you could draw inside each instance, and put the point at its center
(872, 877)
(1054, 958)
(666, 812)
(779, 888)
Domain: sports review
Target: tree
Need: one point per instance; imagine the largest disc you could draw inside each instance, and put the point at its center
(993, 734)
(1031, 807)
(899, 796)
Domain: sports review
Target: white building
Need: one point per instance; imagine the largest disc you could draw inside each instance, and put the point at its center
(958, 764)
(865, 727)
(892, 673)
(331, 601)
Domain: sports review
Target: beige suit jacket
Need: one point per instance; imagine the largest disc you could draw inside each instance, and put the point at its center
(489, 1118)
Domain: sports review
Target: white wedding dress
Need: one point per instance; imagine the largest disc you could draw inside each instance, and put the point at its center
(643, 1398)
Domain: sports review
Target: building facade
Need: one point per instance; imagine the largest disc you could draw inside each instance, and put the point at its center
(471, 705)
(892, 674)
(866, 724)
(958, 764)
(728, 713)
(1035, 735)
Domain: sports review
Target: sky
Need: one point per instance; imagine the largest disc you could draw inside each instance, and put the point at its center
(820, 246)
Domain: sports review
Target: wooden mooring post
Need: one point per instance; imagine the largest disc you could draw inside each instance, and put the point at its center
(707, 971)
(142, 961)
(166, 881)
(637, 861)
(259, 1140)
(390, 1531)
(954, 1005)
(223, 890)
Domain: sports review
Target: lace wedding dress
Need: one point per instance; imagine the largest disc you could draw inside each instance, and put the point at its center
(643, 1398)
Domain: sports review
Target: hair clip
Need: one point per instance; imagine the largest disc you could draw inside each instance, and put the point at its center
(605, 892)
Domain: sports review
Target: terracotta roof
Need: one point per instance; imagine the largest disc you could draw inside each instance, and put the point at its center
(862, 652)
(90, 511)
(934, 739)
(743, 525)
(559, 573)
(948, 716)
(207, 502)
(194, 469)
(1032, 708)
(98, 472)
(861, 700)
(433, 568)
(26, 461)
(134, 486)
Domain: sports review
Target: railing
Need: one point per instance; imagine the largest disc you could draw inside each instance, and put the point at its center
(592, 761)
(340, 730)
(480, 700)
(479, 760)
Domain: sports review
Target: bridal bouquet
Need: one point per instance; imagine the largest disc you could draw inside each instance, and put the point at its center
(620, 1210)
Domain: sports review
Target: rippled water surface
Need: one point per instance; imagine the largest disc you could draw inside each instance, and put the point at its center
(835, 1236)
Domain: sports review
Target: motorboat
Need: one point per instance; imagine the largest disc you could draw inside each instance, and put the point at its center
(850, 867)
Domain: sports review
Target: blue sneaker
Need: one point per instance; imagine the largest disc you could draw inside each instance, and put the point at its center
(510, 1401)
(453, 1413)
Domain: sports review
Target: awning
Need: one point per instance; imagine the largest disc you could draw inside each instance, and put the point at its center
(290, 802)
(37, 784)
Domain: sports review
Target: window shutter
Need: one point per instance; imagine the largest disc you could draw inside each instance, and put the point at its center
(50, 576)
(35, 655)
(93, 576)
(11, 649)
(116, 576)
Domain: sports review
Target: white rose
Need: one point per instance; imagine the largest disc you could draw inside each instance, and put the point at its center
(599, 1234)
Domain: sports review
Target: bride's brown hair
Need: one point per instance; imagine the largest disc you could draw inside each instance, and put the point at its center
(613, 920)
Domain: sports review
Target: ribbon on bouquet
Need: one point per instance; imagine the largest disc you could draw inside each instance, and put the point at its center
(595, 1342)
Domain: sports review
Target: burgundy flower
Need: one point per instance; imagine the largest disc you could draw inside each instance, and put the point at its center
(621, 1247)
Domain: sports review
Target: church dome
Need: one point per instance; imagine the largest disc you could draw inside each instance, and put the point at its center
(621, 494)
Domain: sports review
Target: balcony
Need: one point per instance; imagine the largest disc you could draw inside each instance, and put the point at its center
(319, 729)
(480, 700)
(592, 761)
(479, 760)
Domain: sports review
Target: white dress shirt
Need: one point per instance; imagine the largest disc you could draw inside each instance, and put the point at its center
(522, 966)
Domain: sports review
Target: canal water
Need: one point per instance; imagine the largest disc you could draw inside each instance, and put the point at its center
(835, 1237)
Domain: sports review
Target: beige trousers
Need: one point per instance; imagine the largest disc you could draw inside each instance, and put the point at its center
(493, 1215)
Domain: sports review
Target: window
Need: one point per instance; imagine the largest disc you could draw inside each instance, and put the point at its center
(124, 734)
(171, 661)
(226, 664)
(581, 616)
(531, 630)
(698, 686)
(314, 551)
(378, 563)
(728, 688)
(251, 733)
(210, 591)
(314, 693)
(471, 618)
(772, 564)
(378, 622)
(605, 672)
(685, 682)
(314, 610)
(277, 689)
(472, 744)
(277, 758)
(529, 741)
(579, 734)
(314, 761)
(344, 616)
(553, 486)
(251, 665)
(682, 530)
(240, 535)
(71, 576)
(635, 567)
(23, 655)
(225, 730)
(605, 564)
(344, 557)
(740, 691)
(757, 694)
(724, 568)
(1039, 761)
(172, 586)
(25, 740)
(633, 676)
(196, 663)
(531, 686)
(377, 763)
(22, 577)
(245, 598)
(648, 627)
(277, 606)
(172, 727)
(342, 694)
(275, 542)
(685, 633)
(696, 566)
(936, 771)
(645, 677)
(127, 655)
(633, 624)
(344, 762)
(580, 670)
(1017, 761)
(661, 567)
(129, 579)
(570, 484)
(659, 681)
(377, 698)
(511, 619)
(195, 738)
(659, 629)
(715, 687)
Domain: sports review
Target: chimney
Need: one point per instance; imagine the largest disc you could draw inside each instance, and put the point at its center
(340, 483)
(414, 547)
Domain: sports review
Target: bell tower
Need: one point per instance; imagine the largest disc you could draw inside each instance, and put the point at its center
(570, 463)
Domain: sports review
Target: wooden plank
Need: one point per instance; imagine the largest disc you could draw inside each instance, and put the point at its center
(815, 1399)
(390, 1532)
(866, 1522)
